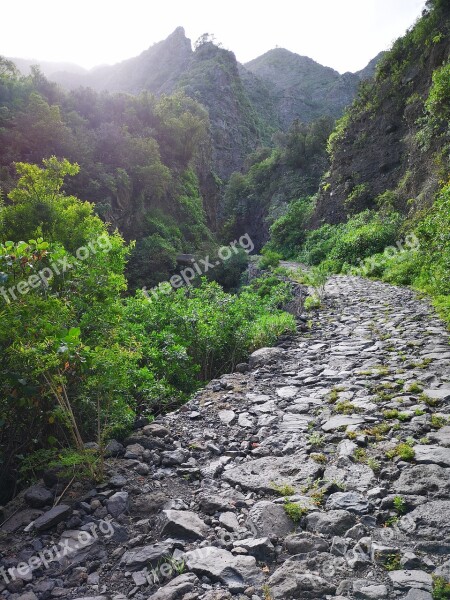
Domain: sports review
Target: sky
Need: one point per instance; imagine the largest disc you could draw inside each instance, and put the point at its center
(343, 34)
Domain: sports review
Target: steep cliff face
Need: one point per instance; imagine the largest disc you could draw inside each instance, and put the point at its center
(389, 148)
(212, 78)
(302, 89)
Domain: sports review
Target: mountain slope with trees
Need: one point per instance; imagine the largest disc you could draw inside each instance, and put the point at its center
(246, 103)
(383, 208)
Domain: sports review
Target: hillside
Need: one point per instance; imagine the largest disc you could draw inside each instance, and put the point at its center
(383, 208)
(246, 103)
(392, 141)
(301, 88)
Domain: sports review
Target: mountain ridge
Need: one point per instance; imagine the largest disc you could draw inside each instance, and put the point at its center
(246, 105)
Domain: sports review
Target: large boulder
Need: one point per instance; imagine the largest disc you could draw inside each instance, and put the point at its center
(177, 588)
(142, 556)
(333, 522)
(263, 474)
(183, 524)
(423, 480)
(290, 581)
(436, 455)
(236, 572)
(52, 517)
(270, 520)
(264, 356)
(38, 496)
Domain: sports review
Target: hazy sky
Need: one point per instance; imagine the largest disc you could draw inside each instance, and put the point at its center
(343, 34)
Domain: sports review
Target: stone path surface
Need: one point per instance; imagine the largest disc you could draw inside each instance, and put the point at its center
(320, 470)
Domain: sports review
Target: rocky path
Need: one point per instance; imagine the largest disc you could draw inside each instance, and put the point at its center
(320, 470)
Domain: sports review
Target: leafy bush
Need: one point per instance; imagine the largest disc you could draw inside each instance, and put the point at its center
(438, 101)
(269, 259)
(289, 231)
(79, 360)
(319, 244)
(363, 235)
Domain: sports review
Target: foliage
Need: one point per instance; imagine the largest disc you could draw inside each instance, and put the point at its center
(338, 133)
(423, 262)
(274, 181)
(399, 505)
(139, 156)
(312, 303)
(295, 511)
(441, 589)
(283, 489)
(289, 231)
(79, 359)
(350, 243)
(269, 259)
(316, 278)
(403, 451)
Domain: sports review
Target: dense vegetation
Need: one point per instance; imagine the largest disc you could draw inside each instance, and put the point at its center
(405, 242)
(79, 359)
(142, 162)
(274, 178)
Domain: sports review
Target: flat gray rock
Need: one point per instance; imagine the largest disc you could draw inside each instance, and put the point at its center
(20, 519)
(441, 437)
(52, 517)
(438, 394)
(405, 580)
(229, 521)
(351, 501)
(290, 582)
(339, 421)
(177, 588)
(245, 420)
(227, 416)
(117, 504)
(288, 391)
(353, 476)
(142, 556)
(236, 572)
(261, 548)
(369, 590)
(270, 520)
(436, 455)
(423, 480)
(431, 515)
(183, 524)
(333, 522)
(304, 543)
(92, 598)
(418, 595)
(443, 571)
(263, 473)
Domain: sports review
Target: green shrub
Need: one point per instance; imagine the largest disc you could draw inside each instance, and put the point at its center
(269, 259)
(312, 303)
(295, 511)
(365, 234)
(441, 589)
(288, 232)
(319, 244)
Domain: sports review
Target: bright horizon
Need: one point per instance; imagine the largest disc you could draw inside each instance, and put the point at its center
(344, 35)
